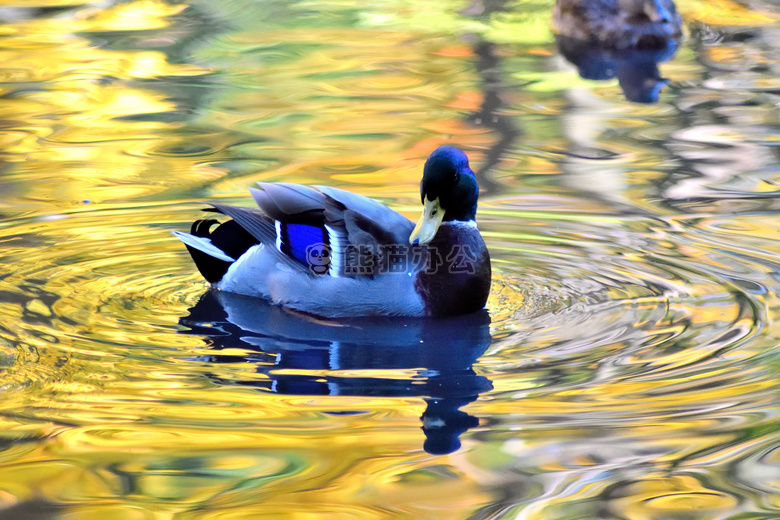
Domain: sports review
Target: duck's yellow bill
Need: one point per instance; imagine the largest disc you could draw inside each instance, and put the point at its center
(428, 224)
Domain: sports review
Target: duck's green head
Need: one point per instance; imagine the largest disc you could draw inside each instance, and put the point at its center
(448, 191)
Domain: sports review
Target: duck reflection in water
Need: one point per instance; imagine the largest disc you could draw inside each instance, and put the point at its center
(636, 69)
(623, 38)
(442, 350)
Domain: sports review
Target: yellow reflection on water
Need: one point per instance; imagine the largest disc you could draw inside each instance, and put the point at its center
(69, 115)
(631, 361)
(728, 12)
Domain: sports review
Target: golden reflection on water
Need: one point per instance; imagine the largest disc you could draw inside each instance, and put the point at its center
(632, 362)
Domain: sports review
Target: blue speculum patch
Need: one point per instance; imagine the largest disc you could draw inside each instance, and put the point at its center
(307, 244)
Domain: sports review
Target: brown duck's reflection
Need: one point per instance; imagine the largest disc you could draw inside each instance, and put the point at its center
(442, 352)
(636, 68)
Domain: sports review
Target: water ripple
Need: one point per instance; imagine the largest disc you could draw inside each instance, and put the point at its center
(630, 367)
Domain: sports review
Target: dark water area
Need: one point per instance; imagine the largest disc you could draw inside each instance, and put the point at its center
(626, 367)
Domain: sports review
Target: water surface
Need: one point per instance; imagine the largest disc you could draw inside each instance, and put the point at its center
(630, 364)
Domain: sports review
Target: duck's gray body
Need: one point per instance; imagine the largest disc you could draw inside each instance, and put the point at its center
(260, 272)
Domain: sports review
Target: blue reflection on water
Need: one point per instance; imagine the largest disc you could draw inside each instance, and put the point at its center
(442, 352)
(635, 67)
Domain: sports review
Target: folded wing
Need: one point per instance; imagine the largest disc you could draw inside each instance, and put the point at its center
(302, 224)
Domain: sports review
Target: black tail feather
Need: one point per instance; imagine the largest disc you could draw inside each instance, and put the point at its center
(231, 238)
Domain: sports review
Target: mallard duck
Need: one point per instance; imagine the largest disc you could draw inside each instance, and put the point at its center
(619, 23)
(332, 253)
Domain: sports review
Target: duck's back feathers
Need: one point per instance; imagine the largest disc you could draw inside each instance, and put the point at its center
(365, 215)
(290, 203)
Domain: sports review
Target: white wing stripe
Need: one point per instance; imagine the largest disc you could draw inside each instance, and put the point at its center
(203, 245)
(278, 226)
(337, 245)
